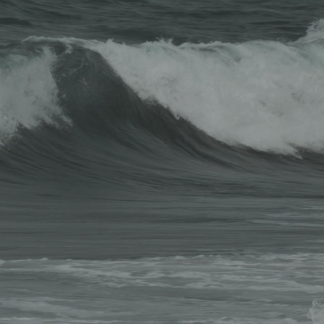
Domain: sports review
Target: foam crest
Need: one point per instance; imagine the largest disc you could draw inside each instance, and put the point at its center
(27, 92)
(315, 32)
(262, 94)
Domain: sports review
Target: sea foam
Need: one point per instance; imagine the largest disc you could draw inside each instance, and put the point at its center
(266, 95)
(28, 92)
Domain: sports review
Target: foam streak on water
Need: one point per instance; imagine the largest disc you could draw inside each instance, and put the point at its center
(203, 289)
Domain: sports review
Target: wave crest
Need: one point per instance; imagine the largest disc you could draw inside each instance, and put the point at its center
(265, 95)
(261, 94)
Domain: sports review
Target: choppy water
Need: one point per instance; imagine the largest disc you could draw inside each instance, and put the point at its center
(161, 162)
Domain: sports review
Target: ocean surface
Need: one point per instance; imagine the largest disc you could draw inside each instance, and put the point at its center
(162, 162)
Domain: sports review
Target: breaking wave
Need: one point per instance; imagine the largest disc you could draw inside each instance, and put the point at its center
(265, 95)
(75, 102)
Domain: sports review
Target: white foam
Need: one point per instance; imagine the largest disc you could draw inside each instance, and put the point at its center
(272, 288)
(263, 94)
(28, 92)
(315, 32)
(316, 312)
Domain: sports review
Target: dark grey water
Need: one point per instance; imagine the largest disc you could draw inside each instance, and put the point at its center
(143, 20)
(161, 161)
